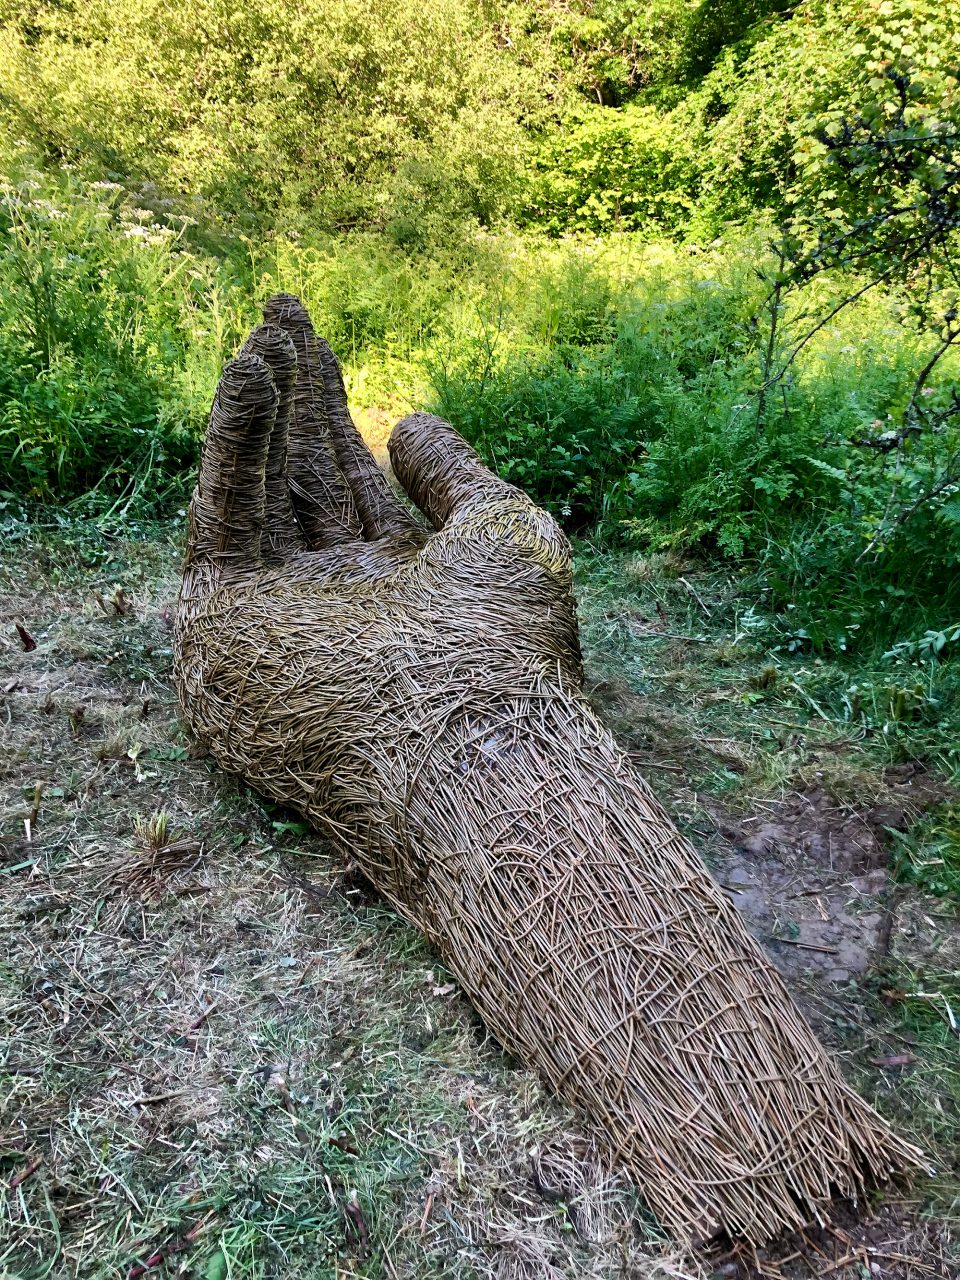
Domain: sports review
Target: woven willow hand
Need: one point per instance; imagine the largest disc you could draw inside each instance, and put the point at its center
(416, 694)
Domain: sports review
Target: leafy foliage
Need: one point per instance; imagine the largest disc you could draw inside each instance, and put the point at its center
(641, 416)
(929, 855)
(616, 48)
(793, 405)
(82, 401)
(380, 115)
(631, 169)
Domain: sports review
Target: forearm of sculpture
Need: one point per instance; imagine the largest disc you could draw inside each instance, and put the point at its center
(501, 818)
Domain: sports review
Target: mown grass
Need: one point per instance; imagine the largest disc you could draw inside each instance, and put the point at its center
(709, 641)
(233, 1060)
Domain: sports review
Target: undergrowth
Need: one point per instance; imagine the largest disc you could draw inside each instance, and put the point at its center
(616, 382)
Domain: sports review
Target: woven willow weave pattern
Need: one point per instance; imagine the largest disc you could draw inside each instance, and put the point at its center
(415, 693)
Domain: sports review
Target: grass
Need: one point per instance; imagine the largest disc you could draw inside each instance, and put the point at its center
(232, 1060)
(732, 670)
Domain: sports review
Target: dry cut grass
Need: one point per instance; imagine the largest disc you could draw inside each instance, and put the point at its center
(227, 1058)
(223, 1056)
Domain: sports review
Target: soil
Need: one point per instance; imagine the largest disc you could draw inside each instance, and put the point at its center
(811, 824)
(812, 876)
(891, 1245)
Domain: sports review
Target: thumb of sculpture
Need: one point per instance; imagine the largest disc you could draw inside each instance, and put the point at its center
(418, 701)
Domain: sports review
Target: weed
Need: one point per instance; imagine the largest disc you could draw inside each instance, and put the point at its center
(929, 854)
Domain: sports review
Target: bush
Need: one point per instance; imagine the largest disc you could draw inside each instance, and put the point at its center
(616, 382)
(329, 113)
(115, 321)
(628, 169)
(562, 427)
(756, 112)
(639, 418)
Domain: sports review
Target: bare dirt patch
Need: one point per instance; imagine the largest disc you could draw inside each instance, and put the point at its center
(814, 826)
(812, 875)
(811, 878)
(891, 1244)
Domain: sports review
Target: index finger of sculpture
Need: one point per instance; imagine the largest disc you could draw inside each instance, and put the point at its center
(282, 533)
(228, 507)
(321, 496)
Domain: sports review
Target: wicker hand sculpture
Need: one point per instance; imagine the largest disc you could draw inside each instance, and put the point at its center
(416, 695)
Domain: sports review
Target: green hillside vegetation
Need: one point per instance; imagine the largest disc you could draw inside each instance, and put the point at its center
(683, 270)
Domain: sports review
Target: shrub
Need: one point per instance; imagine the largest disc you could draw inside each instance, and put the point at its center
(638, 418)
(329, 113)
(628, 169)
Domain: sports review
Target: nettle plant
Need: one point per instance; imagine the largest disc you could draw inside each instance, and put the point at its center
(875, 204)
